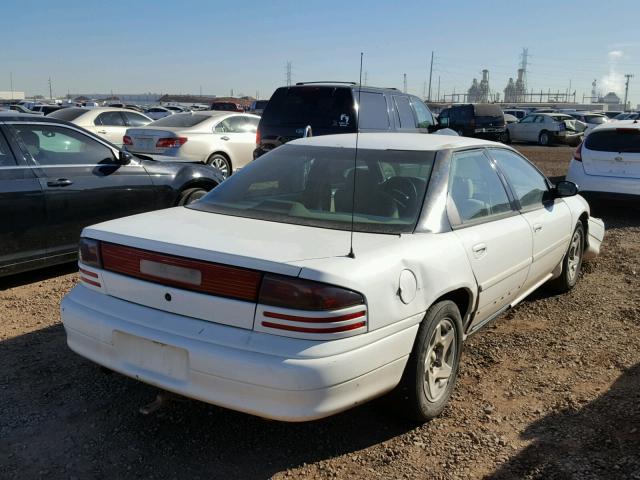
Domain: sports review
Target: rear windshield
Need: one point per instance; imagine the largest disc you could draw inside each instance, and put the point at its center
(181, 120)
(595, 119)
(488, 110)
(320, 107)
(313, 186)
(618, 140)
(67, 114)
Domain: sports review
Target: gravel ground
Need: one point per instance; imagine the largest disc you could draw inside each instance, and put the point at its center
(549, 390)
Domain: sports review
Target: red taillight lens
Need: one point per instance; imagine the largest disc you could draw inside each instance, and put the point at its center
(89, 252)
(298, 294)
(171, 142)
(577, 155)
(258, 138)
(127, 140)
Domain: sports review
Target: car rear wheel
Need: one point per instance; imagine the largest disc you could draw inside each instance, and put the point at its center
(571, 264)
(544, 139)
(190, 195)
(222, 163)
(504, 137)
(430, 375)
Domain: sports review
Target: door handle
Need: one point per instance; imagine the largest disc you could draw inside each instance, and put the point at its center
(60, 182)
(102, 131)
(479, 250)
(537, 227)
(224, 138)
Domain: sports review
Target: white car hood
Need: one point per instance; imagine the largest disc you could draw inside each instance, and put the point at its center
(245, 242)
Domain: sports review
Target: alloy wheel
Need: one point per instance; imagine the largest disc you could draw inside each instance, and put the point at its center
(439, 360)
(574, 255)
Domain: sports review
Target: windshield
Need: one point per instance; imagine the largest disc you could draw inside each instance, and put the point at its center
(618, 140)
(595, 119)
(180, 120)
(313, 186)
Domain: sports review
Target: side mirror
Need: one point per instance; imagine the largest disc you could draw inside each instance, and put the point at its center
(565, 188)
(124, 158)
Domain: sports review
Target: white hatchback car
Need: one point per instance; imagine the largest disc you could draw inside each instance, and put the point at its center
(316, 279)
(608, 160)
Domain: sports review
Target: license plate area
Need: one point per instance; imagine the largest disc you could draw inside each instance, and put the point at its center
(144, 143)
(151, 356)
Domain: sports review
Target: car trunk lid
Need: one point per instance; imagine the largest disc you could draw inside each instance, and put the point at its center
(145, 140)
(613, 152)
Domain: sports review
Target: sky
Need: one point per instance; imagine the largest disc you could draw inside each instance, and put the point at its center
(165, 46)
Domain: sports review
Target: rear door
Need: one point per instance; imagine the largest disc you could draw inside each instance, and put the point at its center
(612, 152)
(238, 133)
(495, 237)
(111, 126)
(23, 222)
(405, 117)
(82, 181)
(550, 220)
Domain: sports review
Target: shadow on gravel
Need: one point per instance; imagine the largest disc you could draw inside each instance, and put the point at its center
(61, 416)
(598, 440)
(615, 213)
(34, 276)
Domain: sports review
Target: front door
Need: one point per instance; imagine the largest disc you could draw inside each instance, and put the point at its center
(83, 182)
(238, 133)
(23, 219)
(496, 239)
(549, 219)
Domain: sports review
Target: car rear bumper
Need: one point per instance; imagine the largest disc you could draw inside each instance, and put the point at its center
(265, 375)
(613, 187)
(572, 139)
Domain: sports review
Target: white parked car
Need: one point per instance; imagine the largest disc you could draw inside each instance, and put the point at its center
(221, 139)
(546, 129)
(591, 120)
(259, 297)
(608, 160)
(156, 113)
(108, 122)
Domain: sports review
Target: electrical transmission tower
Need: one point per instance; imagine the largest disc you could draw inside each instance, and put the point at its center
(628, 76)
(289, 73)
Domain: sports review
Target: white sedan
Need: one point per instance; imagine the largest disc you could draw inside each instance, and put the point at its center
(287, 294)
(608, 160)
(110, 123)
(221, 139)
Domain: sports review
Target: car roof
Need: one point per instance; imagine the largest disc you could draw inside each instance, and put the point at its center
(394, 141)
(352, 86)
(216, 113)
(619, 124)
(21, 117)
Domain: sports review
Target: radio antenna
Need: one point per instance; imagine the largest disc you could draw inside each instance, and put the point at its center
(355, 162)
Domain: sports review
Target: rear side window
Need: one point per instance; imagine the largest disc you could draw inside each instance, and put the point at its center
(113, 119)
(320, 107)
(135, 120)
(474, 187)
(425, 118)
(6, 157)
(237, 124)
(405, 114)
(373, 111)
(618, 140)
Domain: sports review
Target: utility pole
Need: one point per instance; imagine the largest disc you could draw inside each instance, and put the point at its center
(405, 83)
(438, 99)
(628, 76)
(288, 73)
(430, 75)
(50, 90)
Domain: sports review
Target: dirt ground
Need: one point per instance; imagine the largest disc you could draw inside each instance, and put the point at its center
(549, 390)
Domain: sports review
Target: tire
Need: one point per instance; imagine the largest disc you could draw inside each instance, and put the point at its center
(504, 137)
(221, 162)
(544, 138)
(422, 395)
(571, 263)
(190, 195)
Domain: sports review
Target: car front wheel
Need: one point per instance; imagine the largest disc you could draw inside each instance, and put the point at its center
(190, 195)
(544, 139)
(432, 369)
(571, 264)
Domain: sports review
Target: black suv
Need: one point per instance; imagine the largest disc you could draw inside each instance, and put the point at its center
(483, 120)
(319, 108)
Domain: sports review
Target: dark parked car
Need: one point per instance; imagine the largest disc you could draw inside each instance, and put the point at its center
(56, 178)
(226, 107)
(482, 120)
(318, 108)
(46, 109)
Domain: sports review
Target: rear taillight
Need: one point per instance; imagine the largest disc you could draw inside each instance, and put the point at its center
(258, 138)
(127, 140)
(171, 142)
(89, 256)
(89, 252)
(298, 294)
(577, 155)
